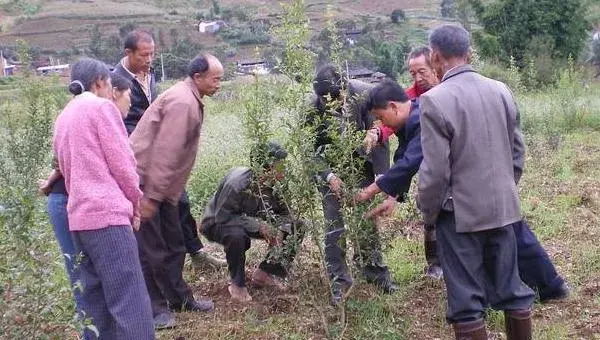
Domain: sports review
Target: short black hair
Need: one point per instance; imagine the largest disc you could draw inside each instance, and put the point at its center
(121, 83)
(134, 37)
(385, 92)
(451, 41)
(420, 51)
(85, 72)
(198, 65)
(328, 81)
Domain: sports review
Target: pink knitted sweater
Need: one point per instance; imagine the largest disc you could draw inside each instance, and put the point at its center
(97, 163)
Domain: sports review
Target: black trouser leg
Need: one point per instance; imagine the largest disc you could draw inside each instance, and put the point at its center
(535, 267)
(235, 242)
(335, 242)
(430, 243)
(188, 226)
(161, 244)
(369, 256)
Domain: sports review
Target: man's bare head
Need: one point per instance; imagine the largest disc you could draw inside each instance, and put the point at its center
(207, 72)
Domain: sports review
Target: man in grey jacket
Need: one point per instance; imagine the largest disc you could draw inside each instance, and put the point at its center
(244, 207)
(472, 158)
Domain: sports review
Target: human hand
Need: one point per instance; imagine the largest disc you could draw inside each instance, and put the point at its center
(367, 193)
(371, 140)
(44, 187)
(270, 235)
(336, 184)
(137, 221)
(384, 209)
(148, 208)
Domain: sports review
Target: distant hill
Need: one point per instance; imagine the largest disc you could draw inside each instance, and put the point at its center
(65, 28)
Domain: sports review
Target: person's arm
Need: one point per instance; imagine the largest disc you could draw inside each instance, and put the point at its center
(117, 152)
(46, 185)
(396, 181)
(514, 127)
(434, 174)
(232, 207)
(518, 150)
(168, 149)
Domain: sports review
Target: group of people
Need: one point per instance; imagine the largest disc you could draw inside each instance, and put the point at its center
(123, 155)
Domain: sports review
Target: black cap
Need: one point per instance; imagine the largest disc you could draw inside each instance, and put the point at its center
(267, 154)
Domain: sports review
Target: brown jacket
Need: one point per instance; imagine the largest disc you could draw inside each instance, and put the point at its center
(165, 141)
(472, 152)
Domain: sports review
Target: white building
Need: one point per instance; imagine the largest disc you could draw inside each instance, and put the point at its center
(7, 69)
(210, 26)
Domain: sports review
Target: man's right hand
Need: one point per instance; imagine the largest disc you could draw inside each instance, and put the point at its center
(148, 208)
(269, 235)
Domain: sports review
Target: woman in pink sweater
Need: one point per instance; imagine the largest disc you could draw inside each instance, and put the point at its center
(95, 158)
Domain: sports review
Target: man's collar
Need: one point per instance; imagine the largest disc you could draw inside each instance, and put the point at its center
(457, 70)
(189, 82)
(124, 64)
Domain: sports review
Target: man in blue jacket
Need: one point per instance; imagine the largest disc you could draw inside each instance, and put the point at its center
(390, 104)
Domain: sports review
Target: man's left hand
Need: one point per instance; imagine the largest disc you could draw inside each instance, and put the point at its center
(384, 209)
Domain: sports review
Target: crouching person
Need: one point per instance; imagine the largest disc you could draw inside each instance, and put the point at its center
(247, 207)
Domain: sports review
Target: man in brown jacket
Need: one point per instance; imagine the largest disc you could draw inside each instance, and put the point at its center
(165, 144)
(472, 158)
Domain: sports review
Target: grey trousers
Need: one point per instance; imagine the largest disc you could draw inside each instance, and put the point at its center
(480, 270)
(368, 255)
(114, 293)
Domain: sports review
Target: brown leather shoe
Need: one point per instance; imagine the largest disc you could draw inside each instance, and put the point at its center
(472, 330)
(518, 324)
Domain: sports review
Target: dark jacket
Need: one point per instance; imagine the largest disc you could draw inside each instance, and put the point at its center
(139, 101)
(377, 161)
(407, 158)
(238, 202)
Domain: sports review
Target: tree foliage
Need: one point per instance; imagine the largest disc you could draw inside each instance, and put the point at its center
(398, 16)
(524, 28)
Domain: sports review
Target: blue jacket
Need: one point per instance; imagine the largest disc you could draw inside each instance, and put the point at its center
(407, 158)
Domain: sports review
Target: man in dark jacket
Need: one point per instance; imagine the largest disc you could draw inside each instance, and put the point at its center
(328, 87)
(137, 67)
(244, 208)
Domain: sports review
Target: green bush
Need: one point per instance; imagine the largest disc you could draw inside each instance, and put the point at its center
(34, 287)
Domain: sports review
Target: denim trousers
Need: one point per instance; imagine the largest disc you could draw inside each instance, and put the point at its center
(57, 209)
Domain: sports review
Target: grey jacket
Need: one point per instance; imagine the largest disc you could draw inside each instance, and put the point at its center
(238, 202)
(472, 152)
